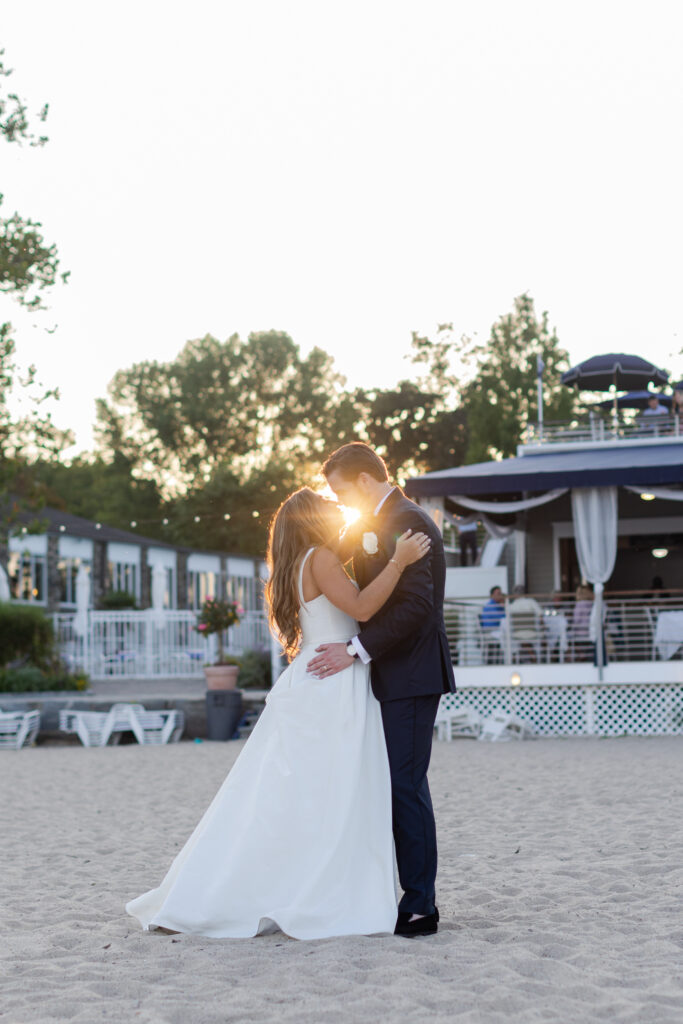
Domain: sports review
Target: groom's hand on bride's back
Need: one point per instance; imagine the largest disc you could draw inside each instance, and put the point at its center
(332, 658)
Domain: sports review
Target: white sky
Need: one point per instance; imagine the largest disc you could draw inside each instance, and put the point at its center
(347, 173)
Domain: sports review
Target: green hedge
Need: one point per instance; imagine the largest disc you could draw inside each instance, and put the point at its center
(25, 632)
(255, 671)
(117, 600)
(28, 679)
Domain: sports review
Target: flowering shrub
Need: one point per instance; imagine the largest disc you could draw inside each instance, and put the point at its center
(215, 617)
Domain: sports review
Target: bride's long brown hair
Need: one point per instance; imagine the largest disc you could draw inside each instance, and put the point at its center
(304, 520)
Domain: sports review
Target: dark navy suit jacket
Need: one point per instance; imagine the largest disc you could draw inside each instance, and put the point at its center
(406, 639)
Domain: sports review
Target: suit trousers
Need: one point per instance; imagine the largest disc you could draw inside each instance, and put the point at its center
(409, 730)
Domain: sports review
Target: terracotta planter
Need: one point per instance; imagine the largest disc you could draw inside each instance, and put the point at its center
(221, 677)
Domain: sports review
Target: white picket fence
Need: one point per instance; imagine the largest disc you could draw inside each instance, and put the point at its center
(150, 644)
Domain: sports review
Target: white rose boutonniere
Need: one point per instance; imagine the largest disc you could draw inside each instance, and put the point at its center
(370, 543)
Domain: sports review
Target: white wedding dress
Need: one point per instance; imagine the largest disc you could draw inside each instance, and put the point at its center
(299, 834)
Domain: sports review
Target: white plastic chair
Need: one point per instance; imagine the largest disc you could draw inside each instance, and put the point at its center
(525, 628)
(501, 726)
(491, 639)
(18, 728)
(452, 723)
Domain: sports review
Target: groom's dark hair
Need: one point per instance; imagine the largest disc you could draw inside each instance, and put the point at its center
(353, 459)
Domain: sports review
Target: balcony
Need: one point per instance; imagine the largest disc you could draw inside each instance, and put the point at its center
(599, 431)
(553, 637)
(542, 665)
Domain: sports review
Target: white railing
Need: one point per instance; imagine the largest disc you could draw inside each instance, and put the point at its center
(604, 429)
(151, 644)
(556, 629)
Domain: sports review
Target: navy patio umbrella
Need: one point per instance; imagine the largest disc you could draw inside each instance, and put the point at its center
(635, 400)
(615, 369)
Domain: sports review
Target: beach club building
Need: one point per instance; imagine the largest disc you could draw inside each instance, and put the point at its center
(73, 563)
(589, 522)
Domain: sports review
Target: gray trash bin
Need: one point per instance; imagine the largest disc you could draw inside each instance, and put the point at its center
(223, 713)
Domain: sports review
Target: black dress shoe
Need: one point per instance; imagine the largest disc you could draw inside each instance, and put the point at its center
(426, 925)
(405, 915)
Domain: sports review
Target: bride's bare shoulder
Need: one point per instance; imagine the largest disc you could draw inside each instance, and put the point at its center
(319, 573)
(324, 561)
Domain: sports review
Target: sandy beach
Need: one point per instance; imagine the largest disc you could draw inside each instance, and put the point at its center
(560, 885)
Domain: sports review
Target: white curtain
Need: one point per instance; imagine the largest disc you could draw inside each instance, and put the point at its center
(4, 585)
(495, 529)
(520, 558)
(158, 594)
(503, 507)
(594, 510)
(80, 623)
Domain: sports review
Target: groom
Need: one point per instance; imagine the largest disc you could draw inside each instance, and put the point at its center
(405, 644)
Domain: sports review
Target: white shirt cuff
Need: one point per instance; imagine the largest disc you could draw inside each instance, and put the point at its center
(360, 650)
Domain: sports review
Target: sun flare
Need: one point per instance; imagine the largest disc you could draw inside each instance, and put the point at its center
(350, 514)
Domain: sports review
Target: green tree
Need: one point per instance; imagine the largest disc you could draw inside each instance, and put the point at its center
(102, 491)
(28, 264)
(501, 398)
(27, 267)
(229, 513)
(413, 429)
(23, 438)
(232, 404)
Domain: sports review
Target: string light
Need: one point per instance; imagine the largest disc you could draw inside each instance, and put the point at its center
(134, 523)
(203, 518)
(167, 522)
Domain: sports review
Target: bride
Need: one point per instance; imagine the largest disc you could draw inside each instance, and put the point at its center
(299, 835)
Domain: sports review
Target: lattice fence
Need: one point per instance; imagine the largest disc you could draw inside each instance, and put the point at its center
(638, 710)
(582, 710)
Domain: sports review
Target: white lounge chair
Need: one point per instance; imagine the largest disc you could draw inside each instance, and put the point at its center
(18, 728)
(457, 722)
(501, 726)
(97, 728)
(156, 726)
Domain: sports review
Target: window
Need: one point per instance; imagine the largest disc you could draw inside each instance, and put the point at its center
(68, 573)
(245, 590)
(200, 585)
(27, 576)
(124, 576)
(170, 592)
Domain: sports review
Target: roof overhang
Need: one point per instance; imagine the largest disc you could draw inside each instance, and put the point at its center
(611, 466)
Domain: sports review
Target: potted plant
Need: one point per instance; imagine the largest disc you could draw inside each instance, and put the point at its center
(215, 617)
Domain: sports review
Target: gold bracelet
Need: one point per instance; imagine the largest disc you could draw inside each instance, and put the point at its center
(400, 570)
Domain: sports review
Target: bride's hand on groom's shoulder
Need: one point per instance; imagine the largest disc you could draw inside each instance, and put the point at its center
(411, 547)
